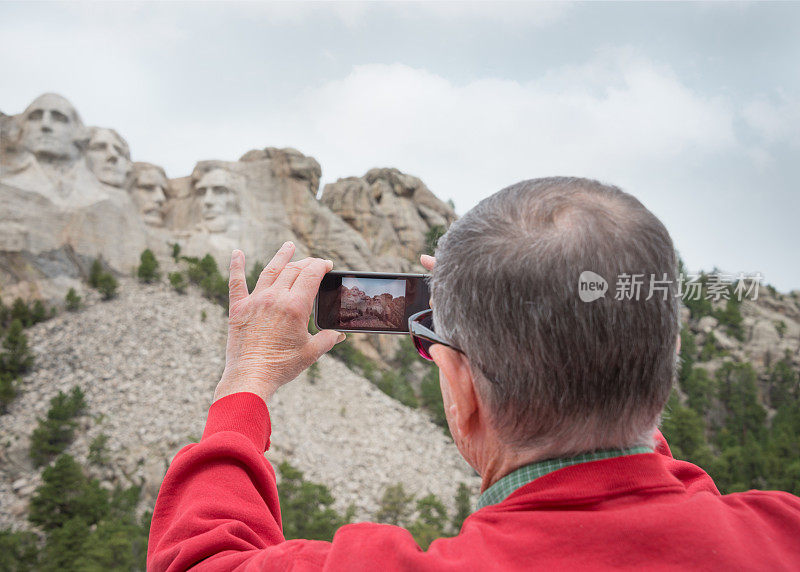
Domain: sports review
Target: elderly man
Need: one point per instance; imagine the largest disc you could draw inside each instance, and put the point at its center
(552, 397)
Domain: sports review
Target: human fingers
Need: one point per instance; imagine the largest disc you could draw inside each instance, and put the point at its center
(290, 273)
(306, 285)
(427, 261)
(323, 341)
(273, 269)
(237, 284)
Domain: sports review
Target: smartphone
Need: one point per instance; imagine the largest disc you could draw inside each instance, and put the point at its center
(371, 302)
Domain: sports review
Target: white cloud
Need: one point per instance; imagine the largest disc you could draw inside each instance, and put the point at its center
(620, 118)
(616, 116)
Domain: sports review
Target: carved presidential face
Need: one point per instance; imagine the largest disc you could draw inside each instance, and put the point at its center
(50, 128)
(108, 157)
(149, 194)
(217, 194)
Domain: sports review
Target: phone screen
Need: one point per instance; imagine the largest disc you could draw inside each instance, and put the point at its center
(370, 301)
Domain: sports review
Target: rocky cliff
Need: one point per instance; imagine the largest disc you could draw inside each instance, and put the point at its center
(147, 362)
(71, 193)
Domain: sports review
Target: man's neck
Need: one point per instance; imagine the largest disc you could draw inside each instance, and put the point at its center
(500, 460)
(499, 465)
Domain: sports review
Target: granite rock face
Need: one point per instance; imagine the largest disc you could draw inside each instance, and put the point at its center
(357, 310)
(392, 210)
(71, 193)
(64, 196)
(148, 361)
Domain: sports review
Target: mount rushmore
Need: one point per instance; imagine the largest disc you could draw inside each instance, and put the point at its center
(71, 193)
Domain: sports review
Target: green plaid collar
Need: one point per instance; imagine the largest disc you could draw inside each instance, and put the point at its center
(499, 491)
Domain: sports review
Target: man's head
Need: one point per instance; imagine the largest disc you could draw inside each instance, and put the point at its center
(216, 191)
(51, 129)
(149, 192)
(550, 371)
(108, 157)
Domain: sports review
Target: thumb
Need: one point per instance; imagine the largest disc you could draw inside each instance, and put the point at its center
(323, 341)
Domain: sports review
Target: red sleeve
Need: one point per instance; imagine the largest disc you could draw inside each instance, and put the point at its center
(218, 509)
(218, 503)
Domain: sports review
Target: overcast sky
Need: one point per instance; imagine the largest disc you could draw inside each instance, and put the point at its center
(693, 108)
(376, 286)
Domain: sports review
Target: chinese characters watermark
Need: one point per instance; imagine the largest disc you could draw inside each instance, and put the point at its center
(687, 287)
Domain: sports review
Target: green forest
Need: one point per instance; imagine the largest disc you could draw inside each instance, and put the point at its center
(741, 426)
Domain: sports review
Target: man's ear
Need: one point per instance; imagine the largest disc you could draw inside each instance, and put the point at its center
(460, 386)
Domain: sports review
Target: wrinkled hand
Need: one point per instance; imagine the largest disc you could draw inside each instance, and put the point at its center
(268, 339)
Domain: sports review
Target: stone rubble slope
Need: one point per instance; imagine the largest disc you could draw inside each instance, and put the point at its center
(148, 365)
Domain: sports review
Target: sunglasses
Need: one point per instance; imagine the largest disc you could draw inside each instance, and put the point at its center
(420, 325)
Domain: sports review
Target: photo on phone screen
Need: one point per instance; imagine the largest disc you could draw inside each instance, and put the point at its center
(369, 301)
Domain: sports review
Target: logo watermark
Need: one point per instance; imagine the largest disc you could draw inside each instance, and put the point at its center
(688, 287)
(591, 286)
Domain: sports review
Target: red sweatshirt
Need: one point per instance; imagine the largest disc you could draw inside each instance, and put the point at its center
(218, 510)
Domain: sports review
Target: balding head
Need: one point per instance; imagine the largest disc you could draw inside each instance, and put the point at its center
(559, 373)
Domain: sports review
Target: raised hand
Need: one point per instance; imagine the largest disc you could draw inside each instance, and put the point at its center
(268, 339)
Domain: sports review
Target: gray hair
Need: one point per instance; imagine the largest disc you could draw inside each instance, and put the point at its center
(557, 373)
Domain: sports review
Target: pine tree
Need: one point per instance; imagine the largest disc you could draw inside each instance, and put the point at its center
(102, 281)
(430, 396)
(65, 545)
(255, 273)
(72, 300)
(98, 454)
(119, 542)
(206, 274)
(148, 269)
(313, 372)
(731, 318)
(5, 315)
(306, 508)
(463, 507)
(683, 428)
(745, 417)
(432, 238)
(176, 251)
(95, 273)
(395, 505)
(66, 494)
(55, 432)
(8, 391)
(38, 313)
(17, 357)
(19, 551)
(177, 281)
(107, 285)
(21, 312)
(784, 383)
(430, 523)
